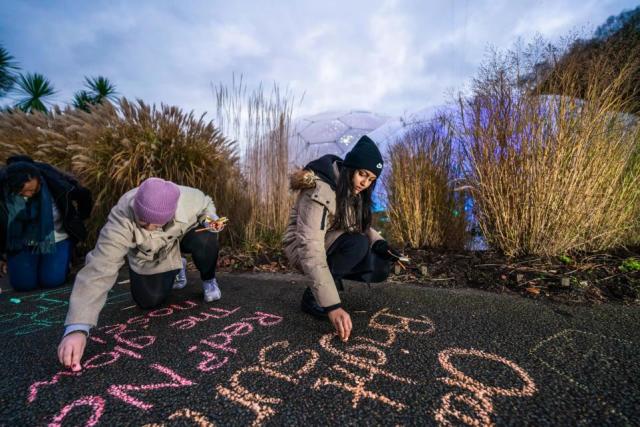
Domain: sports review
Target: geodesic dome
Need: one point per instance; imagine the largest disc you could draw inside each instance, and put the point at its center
(329, 133)
(394, 129)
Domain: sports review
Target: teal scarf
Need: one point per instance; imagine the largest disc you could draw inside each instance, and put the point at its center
(30, 222)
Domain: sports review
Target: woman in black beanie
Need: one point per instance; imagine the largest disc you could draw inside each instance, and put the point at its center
(42, 214)
(329, 235)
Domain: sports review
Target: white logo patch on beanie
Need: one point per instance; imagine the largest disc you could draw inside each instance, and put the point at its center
(379, 165)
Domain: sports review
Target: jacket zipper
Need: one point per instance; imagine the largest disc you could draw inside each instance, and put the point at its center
(324, 218)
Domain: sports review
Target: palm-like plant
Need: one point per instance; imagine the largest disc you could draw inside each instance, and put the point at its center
(8, 70)
(82, 99)
(33, 91)
(100, 88)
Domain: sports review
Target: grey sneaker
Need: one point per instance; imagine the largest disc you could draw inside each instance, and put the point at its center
(181, 278)
(211, 290)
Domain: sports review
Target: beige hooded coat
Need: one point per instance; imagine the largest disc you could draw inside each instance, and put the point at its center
(148, 252)
(307, 238)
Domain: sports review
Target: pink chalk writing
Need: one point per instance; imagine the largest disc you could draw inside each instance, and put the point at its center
(265, 319)
(110, 356)
(137, 342)
(212, 313)
(222, 341)
(128, 342)
(120, 391)
(33, 388)
(96, 403)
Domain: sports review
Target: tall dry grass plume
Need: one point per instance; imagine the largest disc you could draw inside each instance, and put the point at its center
(261, 122)
(40, 135)
(552, 174)
(112, 149)
(423, 209)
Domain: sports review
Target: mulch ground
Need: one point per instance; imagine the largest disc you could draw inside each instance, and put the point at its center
(583, 279)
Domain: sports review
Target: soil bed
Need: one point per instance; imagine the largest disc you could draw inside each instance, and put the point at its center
(584, 279)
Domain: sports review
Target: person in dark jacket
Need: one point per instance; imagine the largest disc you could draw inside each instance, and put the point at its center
(42, 213)
(329, 235)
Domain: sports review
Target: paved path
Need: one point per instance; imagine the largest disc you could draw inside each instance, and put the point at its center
(417, 357)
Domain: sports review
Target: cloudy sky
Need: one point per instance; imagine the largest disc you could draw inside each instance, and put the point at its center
(389, 57)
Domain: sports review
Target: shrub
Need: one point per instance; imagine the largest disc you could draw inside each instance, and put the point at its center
(115, 147)
(260, 121)
(552, 174)
(423, 209)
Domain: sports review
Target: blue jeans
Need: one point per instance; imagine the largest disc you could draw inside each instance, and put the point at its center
(28, 271)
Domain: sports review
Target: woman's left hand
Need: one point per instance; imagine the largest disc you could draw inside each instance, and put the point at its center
(216, 226)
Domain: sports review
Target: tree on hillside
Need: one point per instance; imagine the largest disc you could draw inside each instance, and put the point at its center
(34, 91)
(616, 43)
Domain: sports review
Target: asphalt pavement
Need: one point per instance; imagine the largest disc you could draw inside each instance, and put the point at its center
(417, 356)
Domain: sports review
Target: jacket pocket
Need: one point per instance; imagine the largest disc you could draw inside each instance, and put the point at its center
(324, 218)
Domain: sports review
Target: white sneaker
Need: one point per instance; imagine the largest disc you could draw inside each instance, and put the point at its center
(211, 290)
(181, 278)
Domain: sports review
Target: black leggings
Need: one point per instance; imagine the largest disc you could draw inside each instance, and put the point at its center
(151, 290)
(350, 257)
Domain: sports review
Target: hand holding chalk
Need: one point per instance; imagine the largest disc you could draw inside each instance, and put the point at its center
(341, 320)
(71, 349)
(214, 225)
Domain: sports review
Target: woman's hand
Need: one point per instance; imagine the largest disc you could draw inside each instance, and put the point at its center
(216, 226)
(341, 320)
(71, 349)
(385, 251)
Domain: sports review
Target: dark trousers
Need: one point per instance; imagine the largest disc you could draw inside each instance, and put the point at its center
(350, 257)
(28, 271)
(151, 290)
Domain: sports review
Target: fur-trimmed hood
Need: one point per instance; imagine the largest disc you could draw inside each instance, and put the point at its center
(324, 169)
(302, 179)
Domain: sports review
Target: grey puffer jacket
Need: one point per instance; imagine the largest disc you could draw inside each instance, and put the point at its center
(148, 252)
(307, 237)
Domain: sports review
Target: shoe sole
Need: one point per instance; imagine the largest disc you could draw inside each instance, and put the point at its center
(313, 313)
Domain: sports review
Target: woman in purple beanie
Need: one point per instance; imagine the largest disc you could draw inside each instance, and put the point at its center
(149, 227)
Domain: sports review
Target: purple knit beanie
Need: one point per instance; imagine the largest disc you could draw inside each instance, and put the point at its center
(156, 201)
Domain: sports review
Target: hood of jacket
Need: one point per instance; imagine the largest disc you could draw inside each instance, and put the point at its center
(322, 169)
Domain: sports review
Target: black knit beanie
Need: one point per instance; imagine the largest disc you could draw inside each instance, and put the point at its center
(364, 155)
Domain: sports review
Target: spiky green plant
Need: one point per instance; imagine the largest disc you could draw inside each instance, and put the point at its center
(8, 69)
(82, 100)
(34, 91)
(100, 89)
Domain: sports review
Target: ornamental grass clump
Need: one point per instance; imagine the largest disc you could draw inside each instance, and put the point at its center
(121, 146)
(260, 120)
(38, 134)
(113, 148)
(422, 206)
(552, 174)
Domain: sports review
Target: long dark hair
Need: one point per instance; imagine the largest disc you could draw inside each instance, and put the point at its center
(346, 201)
